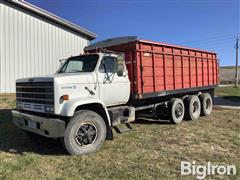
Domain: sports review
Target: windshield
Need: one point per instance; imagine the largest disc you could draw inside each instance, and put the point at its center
(80, 64)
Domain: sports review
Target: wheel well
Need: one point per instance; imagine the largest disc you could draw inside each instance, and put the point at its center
(98, 108)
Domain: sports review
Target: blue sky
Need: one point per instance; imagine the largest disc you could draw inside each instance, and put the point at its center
(205, 24)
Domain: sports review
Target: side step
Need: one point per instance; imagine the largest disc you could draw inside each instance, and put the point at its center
(121, 129)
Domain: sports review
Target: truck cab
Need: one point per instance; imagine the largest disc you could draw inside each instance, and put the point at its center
(86, 96)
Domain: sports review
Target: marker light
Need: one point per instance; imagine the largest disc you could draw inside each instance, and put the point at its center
(65, 97)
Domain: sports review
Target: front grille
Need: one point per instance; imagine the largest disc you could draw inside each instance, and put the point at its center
(35, 92)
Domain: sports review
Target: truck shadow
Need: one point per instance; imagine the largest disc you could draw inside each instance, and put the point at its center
(16, 141)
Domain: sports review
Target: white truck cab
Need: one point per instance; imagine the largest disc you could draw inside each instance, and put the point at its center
(79, 103)
(90, 78)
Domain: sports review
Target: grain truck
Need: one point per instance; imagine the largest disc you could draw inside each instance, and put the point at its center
(93, 93)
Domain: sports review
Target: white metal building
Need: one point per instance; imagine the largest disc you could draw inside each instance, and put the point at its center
(32, 41)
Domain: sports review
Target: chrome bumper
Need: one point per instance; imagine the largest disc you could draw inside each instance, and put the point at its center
(47, 127)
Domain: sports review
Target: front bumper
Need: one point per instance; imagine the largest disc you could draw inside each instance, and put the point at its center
(47, 127)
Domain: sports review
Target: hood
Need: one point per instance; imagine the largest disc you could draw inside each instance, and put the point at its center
(76, 78)
(65, 77)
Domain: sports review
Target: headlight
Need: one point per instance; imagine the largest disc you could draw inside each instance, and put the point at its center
(49, 109)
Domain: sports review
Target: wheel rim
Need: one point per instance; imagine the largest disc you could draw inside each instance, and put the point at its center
(86, 134)
(178, 110)
(195, 108)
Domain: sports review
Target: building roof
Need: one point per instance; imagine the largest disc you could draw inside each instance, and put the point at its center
(51, 17)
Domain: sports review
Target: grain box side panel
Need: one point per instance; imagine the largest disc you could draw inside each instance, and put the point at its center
(165, 68)
(143, 64)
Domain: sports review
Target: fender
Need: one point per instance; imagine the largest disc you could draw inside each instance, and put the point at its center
(70, 106)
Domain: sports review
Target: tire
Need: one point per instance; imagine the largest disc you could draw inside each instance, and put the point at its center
(206, 104)
(184, 97)
(85, 133)
(192, 108)
(176, 110)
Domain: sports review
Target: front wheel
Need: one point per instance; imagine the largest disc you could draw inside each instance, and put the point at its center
(85, 133)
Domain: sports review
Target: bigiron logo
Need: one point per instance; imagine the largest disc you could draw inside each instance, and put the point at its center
(201, 171)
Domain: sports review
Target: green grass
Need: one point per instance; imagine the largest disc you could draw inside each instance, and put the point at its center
(227, 91)
(153, 150)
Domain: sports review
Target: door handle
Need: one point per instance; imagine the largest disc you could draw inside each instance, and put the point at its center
(90, 91)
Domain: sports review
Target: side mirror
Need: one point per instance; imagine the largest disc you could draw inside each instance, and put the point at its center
(120, 64)
(120, 69)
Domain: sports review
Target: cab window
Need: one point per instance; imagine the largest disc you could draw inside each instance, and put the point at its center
(108, 65)
(86, 63)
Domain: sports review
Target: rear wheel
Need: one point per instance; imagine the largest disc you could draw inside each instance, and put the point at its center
(176, 110)
(85, 133)
(192, 107)
(206, 104)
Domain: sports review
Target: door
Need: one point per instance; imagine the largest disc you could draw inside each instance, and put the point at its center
(114, 89)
